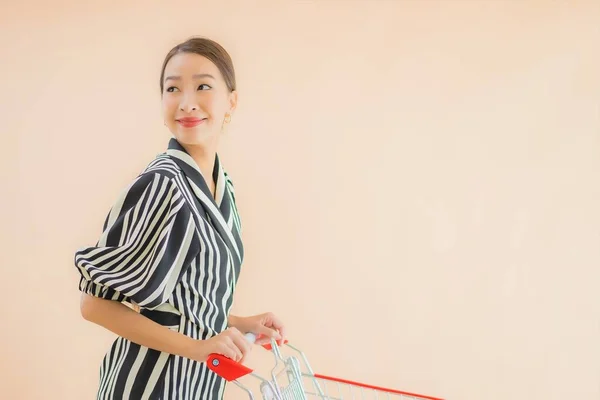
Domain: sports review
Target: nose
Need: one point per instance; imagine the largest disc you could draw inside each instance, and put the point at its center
(188, 104)
(188, 108)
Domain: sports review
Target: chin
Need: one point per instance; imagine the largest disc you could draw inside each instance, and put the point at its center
(193, 137)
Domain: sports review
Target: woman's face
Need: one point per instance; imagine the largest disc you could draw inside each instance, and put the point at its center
(195, 99)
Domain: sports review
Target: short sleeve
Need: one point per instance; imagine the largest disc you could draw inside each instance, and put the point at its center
(148, 241)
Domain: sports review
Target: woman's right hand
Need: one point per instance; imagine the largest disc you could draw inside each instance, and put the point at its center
(231, 343)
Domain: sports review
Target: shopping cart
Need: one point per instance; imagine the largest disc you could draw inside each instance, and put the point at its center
(292, 380)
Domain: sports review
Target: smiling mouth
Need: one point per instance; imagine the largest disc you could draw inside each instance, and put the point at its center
(190, 122)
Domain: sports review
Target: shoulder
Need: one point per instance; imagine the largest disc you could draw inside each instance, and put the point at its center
(145, 190)
(155, 183)
(157, 176)
(164, 165)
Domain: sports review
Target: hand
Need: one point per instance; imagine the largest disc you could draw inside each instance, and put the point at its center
(266, 325)
(231, 343)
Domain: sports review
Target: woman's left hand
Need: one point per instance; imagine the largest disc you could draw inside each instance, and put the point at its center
(266, 325)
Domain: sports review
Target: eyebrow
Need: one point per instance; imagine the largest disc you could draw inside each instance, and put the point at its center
(197, 76)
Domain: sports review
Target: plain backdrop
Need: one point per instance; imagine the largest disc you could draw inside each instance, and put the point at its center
(418, 182)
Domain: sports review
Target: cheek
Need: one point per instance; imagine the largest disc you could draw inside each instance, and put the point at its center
(212, 102)
(169, 107)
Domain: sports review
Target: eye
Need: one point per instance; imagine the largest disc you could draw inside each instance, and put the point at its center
(205, 86)
(171, 89)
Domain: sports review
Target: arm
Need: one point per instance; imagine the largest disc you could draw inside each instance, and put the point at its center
(232, 321)
(120, 319)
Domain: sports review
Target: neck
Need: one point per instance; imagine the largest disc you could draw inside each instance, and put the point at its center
(204, 156)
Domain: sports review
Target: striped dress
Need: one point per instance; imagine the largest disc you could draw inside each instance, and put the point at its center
(171, 248)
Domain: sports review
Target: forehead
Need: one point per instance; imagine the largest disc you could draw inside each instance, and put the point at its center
(186, 65)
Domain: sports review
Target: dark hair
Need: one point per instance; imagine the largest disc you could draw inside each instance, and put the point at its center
(206, 48)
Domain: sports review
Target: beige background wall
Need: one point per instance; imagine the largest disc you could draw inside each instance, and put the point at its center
(418, 182)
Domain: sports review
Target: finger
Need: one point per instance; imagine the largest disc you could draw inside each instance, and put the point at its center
(233, 330)
(237, 354)
(228, 351)
(282, 332)
(229, 341)
(243, 345)
(268, 332)
(277, 324)
(272, 321)
(262, 341)
(237, 338)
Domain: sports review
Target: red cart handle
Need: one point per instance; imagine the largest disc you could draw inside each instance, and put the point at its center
(227, 368)
(231, 370)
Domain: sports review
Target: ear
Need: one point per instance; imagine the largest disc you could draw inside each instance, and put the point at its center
(233, 101)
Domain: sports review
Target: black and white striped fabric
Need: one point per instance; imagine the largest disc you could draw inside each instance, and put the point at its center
(171, 248)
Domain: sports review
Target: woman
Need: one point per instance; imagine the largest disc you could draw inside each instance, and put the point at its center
(171, 248)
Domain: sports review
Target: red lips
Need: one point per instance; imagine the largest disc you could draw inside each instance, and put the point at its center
(190, 122)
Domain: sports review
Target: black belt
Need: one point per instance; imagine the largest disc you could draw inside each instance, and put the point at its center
(162, 317)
